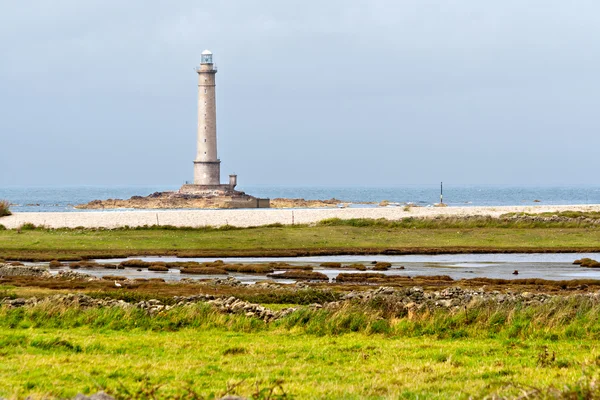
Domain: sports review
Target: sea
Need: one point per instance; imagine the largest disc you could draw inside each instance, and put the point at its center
(64, 198)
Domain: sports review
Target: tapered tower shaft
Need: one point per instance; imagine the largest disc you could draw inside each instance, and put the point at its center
(207, 166)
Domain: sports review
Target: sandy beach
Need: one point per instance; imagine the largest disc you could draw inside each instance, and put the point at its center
(257, 217)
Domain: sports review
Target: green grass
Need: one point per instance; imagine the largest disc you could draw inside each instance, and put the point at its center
(563, 214)
(56, 352)
(171, 364)
(329, 237)
(459, 222)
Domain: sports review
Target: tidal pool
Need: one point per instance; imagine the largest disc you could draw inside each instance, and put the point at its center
(557, 266)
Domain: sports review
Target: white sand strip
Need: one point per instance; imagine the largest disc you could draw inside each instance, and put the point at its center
(255, 217)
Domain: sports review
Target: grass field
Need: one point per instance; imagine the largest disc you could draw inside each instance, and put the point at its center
(55, 352)
(170, 364)
(330, 237)
(373, 350)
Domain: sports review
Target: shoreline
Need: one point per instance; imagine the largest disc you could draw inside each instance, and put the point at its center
(260, 217)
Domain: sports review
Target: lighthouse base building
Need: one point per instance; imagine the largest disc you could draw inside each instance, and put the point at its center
(207, 166)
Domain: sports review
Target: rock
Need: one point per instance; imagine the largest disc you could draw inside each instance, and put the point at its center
(24, 270)
(16, 302)
(445, 303)
(96, 396)
(409, 300)
(383, 290)
(70, 274)
(215, 199)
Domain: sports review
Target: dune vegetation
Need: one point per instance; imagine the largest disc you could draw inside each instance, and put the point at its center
(4, 208)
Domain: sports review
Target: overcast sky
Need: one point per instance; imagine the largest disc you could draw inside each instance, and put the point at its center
(337, 92)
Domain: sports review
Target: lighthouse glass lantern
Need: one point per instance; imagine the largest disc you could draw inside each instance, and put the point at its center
(206, 57)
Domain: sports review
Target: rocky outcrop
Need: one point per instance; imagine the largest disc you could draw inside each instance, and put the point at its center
(73, 275)
(233, 199)
(404, 301)
(229, 305)
(95, 396)
(167, 200)
(42, 272)
(230, 281)
(23, 270)
(452, 298)
(233, 305)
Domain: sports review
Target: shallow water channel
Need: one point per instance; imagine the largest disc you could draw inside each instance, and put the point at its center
(457, 266)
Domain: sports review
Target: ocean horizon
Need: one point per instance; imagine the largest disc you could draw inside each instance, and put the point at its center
(64, 198)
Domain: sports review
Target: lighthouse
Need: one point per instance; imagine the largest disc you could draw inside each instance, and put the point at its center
(207, 166)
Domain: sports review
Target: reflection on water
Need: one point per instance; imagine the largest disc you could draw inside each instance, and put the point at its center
(457, 266)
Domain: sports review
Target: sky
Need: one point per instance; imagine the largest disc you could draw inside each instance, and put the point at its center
(337, 92)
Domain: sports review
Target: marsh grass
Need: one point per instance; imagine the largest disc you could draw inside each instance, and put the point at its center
(562, 214)
(381, 266)
(561, 318)
(472, 222)
(204, 271)
(354, 351)
(248, 268)
(7, 292)
(158, 268)
(299, 274)
(587, 263)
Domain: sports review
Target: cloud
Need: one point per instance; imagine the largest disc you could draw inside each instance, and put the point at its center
(308, 92)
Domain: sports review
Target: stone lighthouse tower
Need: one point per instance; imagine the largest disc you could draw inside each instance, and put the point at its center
(207, 166)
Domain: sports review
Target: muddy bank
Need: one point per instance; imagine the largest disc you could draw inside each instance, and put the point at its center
(274, 291)
(33, 255)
